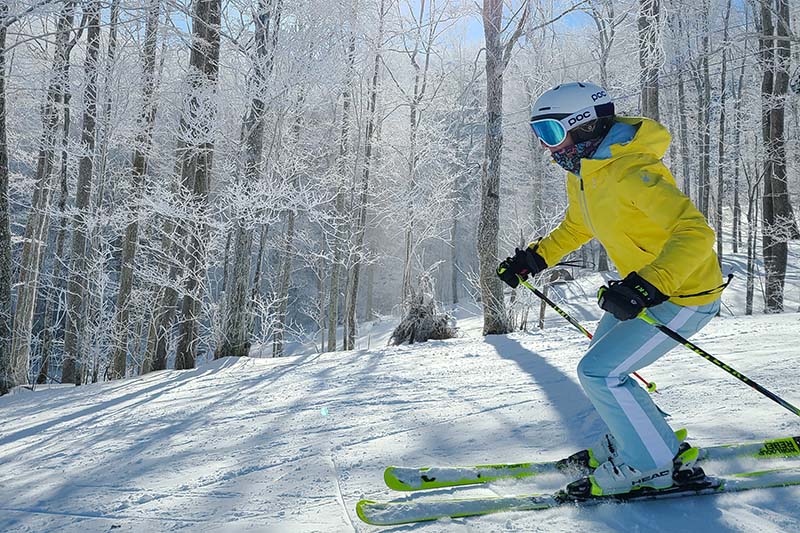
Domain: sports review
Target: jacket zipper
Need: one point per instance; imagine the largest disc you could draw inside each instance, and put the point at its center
(585, 209)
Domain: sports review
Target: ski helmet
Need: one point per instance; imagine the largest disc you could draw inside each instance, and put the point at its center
(583, 108)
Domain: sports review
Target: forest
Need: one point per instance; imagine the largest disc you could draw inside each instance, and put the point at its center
(184, 180)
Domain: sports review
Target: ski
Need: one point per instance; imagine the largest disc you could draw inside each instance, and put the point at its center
(409, 511)
(413, 479)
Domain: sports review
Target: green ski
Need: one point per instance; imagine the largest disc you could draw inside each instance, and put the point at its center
(417, 509)
(412, 479)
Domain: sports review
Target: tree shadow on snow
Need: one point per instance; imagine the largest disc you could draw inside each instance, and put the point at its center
(579, 419)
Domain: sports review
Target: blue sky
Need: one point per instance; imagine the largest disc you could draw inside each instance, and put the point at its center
(472, 26)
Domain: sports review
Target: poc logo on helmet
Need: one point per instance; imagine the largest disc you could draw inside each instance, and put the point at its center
(578, 118)
(596, 96)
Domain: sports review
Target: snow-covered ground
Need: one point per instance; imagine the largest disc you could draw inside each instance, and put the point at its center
(291, 444)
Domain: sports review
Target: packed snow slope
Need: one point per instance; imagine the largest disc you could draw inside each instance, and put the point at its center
(291, 444)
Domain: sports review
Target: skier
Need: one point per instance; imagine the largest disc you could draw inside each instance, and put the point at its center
(621, 193)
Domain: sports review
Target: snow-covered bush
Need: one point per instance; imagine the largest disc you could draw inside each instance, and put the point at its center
(423, 320)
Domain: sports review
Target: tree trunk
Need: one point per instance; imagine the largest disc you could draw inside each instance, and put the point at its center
(701, 77)
(139, 162)
(721, 140)
(155, 357)
(76, 286)
(407, 290)
(339, 203)
(704, 187)
(39, 217)
(767, 57)
(462, 169)
(752, 217)
(60, 272)
(649, 55)
(58, 276)
(283, 287)
(361, 221)
(226, 262)
(683, 135)
(368, 305)
(262, 245)
(778, 224)
(288, 245)
(196, 128)
(238, 304)
(104, 132)
(95, 302)
(340, 215)
(494, 313)
(737, 207)
(321, 295)
(158, 333)
(51, 326)
(420, 46)
(454, 244)
(5, 232)
(239, 323)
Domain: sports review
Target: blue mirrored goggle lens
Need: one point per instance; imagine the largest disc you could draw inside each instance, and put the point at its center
(550, 131)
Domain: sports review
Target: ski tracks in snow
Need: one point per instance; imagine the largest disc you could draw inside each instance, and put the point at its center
(291, 445)
(339, 495)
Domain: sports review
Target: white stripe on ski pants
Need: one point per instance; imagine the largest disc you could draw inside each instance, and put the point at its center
(644, 438)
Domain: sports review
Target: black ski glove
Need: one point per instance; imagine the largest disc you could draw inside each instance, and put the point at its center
(524, 262)
(625, 299)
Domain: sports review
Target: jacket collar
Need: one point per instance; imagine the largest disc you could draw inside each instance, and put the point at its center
(651, 138)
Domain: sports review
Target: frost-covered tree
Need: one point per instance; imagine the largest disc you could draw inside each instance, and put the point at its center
(76, 288)
(362, 194)
(38, 221)
(139, 165)
(265, 171)
(498, 54)
(650, 55)
(5, 233)
(196, 151)
(261, 53)
(778, 222)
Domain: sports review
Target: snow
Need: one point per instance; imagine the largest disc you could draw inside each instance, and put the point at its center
(291, 444)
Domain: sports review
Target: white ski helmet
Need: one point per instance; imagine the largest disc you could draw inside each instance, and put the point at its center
(568, 107)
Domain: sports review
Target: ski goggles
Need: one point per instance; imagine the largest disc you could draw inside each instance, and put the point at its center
(550, 131)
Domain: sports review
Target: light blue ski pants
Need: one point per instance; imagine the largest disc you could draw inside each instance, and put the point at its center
(644, 438)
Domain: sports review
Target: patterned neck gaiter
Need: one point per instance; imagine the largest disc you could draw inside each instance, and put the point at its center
(569, 158)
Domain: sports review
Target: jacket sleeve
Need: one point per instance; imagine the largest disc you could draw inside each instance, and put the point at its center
(652, 190)
(570, 234)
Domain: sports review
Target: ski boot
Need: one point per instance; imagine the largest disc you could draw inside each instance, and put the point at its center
(618, 479)
(591, 458)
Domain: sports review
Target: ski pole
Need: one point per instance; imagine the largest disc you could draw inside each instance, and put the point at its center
(704, 354)
(650, 385)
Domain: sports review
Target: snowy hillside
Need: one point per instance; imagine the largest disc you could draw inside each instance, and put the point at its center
(291, 444)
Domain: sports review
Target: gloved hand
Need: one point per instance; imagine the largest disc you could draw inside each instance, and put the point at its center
(525, 261)
(625, 299)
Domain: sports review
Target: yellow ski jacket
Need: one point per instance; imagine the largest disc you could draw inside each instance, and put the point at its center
(630, 203)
